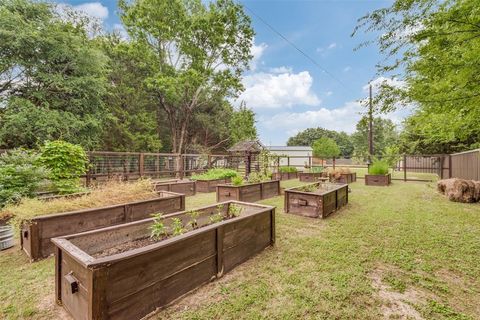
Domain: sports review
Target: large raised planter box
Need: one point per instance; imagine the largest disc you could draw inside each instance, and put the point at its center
(249, 192)
(210, 185)
(285, 175)
(318, 203)
(345, 178)
(186, 187)
(312, 176)
(378, 179)
(131, 284)
(36, 233)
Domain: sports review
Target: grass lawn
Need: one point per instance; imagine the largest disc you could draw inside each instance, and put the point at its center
(394, 252)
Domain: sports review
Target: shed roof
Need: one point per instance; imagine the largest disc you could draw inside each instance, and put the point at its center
(247, 146)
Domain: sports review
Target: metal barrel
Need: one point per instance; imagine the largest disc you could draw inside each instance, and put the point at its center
(6, 237)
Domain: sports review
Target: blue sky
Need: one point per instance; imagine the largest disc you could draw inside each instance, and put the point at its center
(286, 90)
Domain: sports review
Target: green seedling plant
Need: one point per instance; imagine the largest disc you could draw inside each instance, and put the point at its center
(309, 188)
(193, 214)
(234, 210)
(217, 217)
(158, 229)
(177, 227)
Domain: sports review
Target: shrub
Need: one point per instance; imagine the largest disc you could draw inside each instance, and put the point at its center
(316, 169)
(214, 174)
(325, 148)
(66, 162)
(237, 181)
(20, 175)
(288, 169)
(378, 167)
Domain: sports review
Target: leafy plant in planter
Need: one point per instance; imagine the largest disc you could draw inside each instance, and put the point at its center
(217, 217)
(177, 227)
(158, 229)
(234, 210)
(378, 167)
(193, 214)
(308, 188)
(257, 177)
(215, 173)
(237, 181)
(66, 162)
(316, 169)
(288, 169)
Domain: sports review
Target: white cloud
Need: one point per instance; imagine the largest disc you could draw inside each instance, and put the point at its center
(93, 9)
(347, 68)
(328, 93)
(281, 69)
(331, 46)
(378, 82)
(270, 90)
(341, 119)
(120, 30)
(257, 52)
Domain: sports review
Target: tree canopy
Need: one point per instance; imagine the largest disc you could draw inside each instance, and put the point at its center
(308, 136)
(431, 47)
(325, 148)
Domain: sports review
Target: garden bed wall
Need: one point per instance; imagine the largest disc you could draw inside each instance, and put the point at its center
(186, 187)
(35, 234)
(345, 178)
(285, 175)
(210, 185)
(311, 176)
(250, 192)
(378, 179)
(319, 204)
(132, 284)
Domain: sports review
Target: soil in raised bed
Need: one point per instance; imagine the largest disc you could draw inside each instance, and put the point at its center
(145, 241)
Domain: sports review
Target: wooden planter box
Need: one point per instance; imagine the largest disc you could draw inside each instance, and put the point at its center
(317, 204)
(311, 176)
(36, 233)
(378, 179)
(250, 192)
(132, 284)
(345, 178)
(186, 187)
(210, 185)
(285, 175)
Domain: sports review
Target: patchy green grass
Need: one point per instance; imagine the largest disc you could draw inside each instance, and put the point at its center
(402, 245)
(399, 174)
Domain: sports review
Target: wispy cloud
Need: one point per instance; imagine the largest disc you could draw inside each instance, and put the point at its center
(93, 9)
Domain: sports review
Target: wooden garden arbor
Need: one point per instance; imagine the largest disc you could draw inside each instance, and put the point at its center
(249, 150)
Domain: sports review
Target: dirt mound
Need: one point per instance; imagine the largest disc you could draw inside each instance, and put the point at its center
(460, 190)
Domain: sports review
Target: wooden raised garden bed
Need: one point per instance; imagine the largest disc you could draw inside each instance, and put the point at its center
(91, 284)
(36, 233)
(378, 179)
(186, 187)
(251, 192)
(210, 185)
(285, 175)
(316, 200)
(312, 176)
(344, 178)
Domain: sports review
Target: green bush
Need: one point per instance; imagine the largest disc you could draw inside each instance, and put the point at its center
(378, 167)
(65, 162)
(316, 169)
(288, 169)
(257, 177)
(20, 175)
(216, 173)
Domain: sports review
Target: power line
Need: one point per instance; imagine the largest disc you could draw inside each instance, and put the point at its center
(295, 46)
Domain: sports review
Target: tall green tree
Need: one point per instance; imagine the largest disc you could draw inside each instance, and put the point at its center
(325, 148)
(131, 125)
(308, 136)
(198, 51)
(242, 125)
(432, 47)
(52, 77)
(385, 135)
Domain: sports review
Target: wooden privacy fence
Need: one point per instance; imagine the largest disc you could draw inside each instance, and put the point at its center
(465, 165)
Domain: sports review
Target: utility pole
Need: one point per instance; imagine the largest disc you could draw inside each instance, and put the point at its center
(370, 127)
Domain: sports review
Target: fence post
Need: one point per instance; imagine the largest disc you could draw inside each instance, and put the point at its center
(288, 161)
(405, 168)
(309, 161)
(181, 166)
(333, 163)
(141, 164)
(449, 166)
